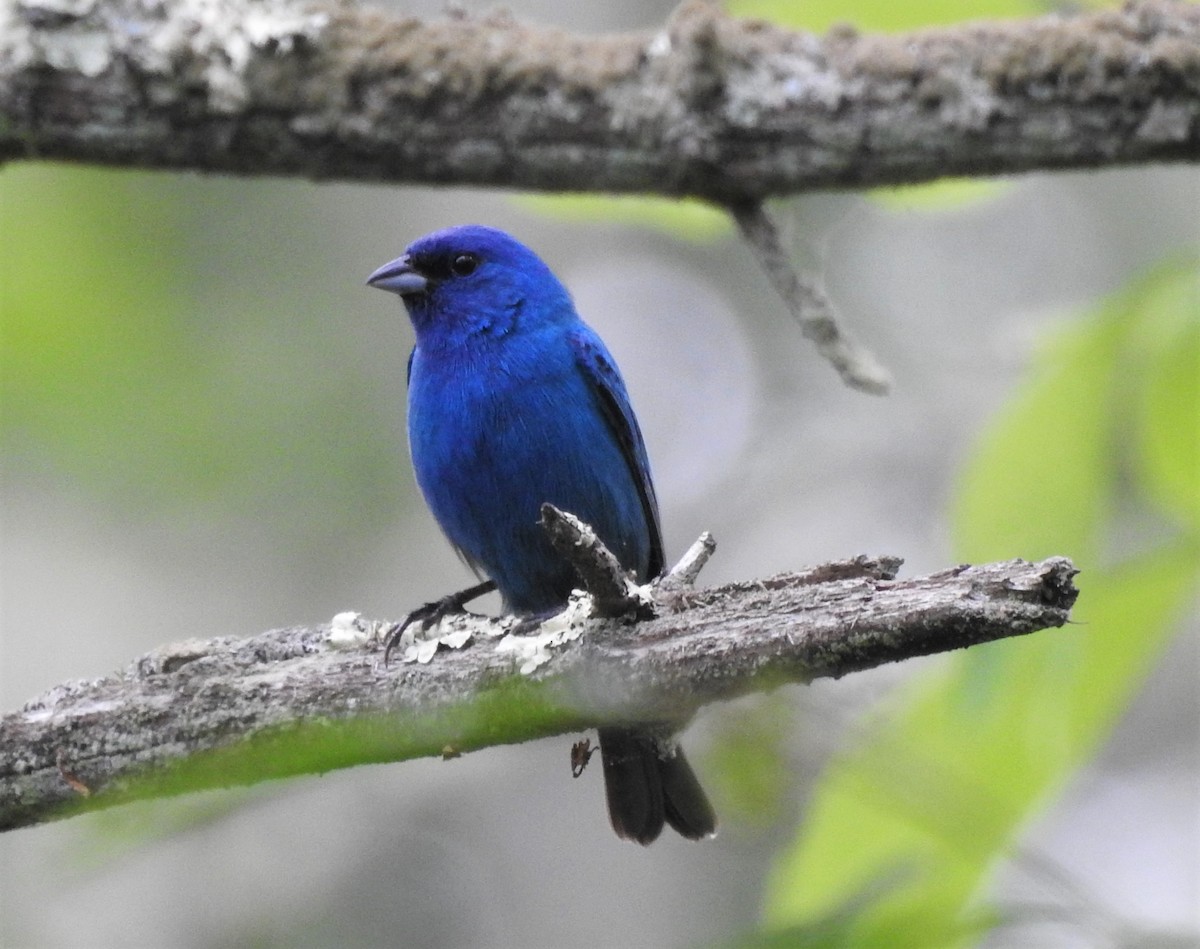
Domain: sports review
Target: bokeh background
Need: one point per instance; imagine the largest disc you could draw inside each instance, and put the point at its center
(202, 434)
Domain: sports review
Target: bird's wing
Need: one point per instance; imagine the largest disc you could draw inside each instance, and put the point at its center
(605, 381)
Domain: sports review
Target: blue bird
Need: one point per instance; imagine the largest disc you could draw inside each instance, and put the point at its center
(514, 401)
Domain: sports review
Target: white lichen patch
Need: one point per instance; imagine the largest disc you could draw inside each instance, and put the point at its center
(455, 631)
(348, 630)
(159, 39)
(69, 45)
(534, 650)
(419, 644)
(644, 593)
(226, 35)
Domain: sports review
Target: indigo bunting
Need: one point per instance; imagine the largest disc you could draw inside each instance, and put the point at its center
(514, 401)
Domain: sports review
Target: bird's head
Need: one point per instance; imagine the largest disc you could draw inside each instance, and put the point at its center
(472, 280)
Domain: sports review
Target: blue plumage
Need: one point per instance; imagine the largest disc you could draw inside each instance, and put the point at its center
(514, 401)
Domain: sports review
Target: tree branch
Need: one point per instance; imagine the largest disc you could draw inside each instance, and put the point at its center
(302, 700)
(725, 110)
(809, 305)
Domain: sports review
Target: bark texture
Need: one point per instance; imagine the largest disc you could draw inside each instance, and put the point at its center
(235, 711)
(707, 106)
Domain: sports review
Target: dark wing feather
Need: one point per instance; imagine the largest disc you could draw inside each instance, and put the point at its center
(605, 380)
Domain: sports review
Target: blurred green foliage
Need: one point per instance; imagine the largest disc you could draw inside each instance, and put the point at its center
(887, 15)
(127, 373)
(1103, 433)
(686, 219)
(944, 195)
(747, 768)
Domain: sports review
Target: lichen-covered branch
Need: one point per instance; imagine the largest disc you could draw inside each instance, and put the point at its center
(726, 110)
(291, 701)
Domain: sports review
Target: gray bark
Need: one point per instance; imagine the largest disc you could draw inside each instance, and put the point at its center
(725, 110)
(236, 711)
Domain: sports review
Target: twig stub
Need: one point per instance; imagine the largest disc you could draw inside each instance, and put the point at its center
(808, 303)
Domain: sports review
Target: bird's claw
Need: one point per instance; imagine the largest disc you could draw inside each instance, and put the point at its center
(432, 613)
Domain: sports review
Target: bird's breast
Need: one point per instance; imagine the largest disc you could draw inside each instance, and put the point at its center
(494, 438)
(501, 425)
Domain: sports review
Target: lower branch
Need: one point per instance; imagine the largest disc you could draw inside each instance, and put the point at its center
(203, 714)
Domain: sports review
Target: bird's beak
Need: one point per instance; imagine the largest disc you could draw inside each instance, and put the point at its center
(399, 277)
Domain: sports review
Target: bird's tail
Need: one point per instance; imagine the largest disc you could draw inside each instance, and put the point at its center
(648, 781)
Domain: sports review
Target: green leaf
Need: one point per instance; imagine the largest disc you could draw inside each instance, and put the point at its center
(1042, 481)
(748, 762)
(1168, 412)
(839, 928)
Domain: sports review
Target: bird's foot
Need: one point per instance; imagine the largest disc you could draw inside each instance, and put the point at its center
(530, 622)
(432, 613)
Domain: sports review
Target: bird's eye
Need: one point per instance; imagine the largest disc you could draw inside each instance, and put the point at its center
(464, 265)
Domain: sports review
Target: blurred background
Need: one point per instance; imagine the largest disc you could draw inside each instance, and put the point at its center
(202, 434)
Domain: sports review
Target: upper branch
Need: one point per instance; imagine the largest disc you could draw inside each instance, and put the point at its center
(230, 711)
(726, 110)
